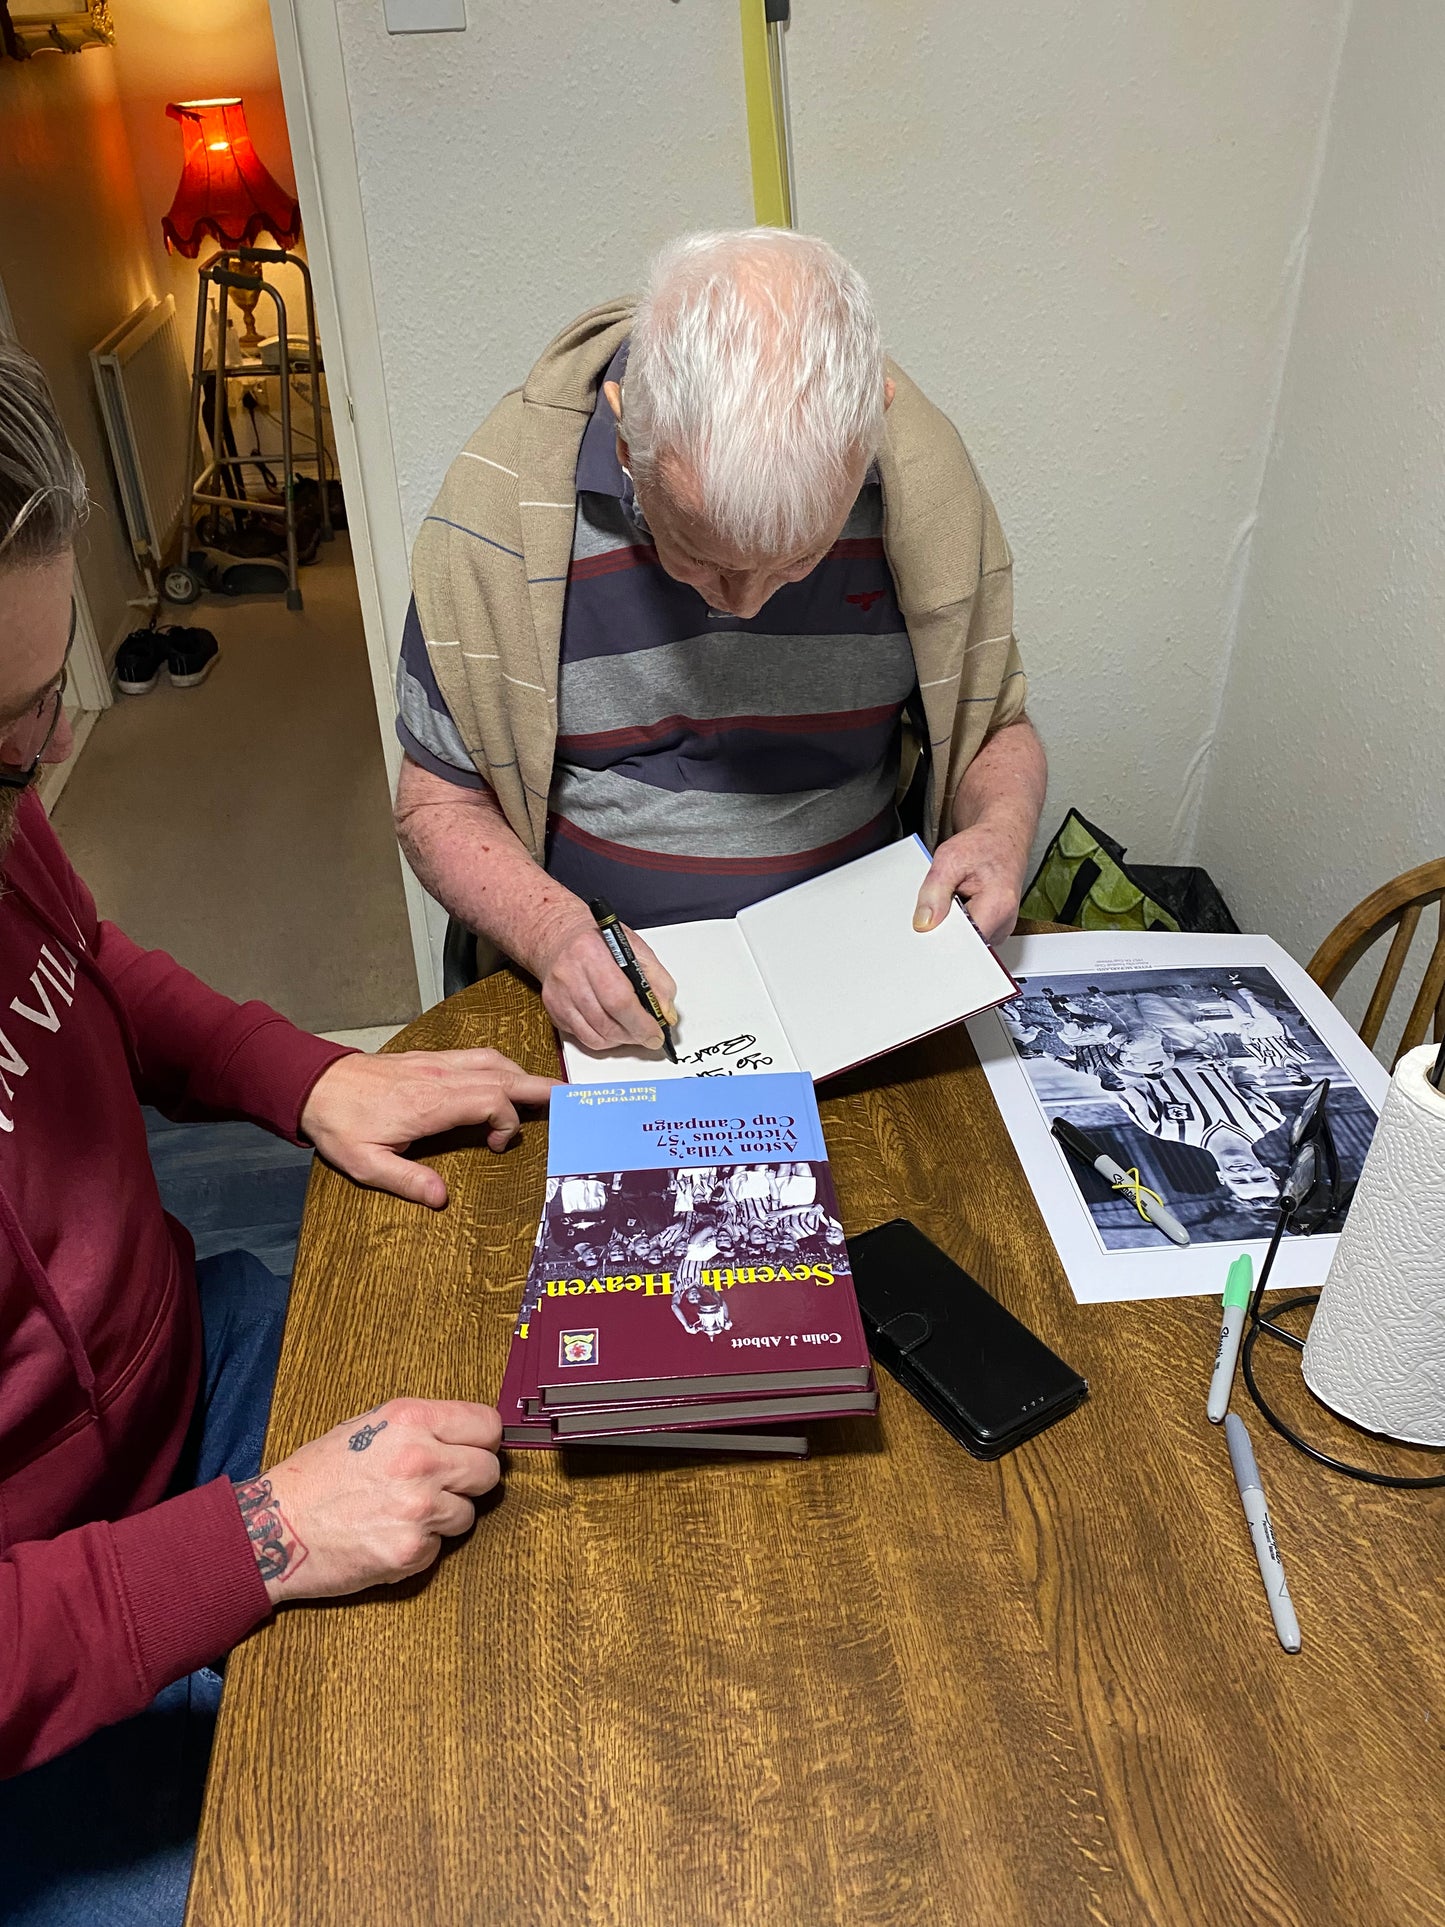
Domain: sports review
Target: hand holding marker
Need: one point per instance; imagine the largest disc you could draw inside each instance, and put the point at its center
(623, 955)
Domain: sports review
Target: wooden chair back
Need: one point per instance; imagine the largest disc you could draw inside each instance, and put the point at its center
(1398, 904)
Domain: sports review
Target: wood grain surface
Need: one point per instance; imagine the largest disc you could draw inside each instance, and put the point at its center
(887, 1686)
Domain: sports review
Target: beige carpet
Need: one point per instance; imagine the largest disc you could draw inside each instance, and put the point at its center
(245, 826)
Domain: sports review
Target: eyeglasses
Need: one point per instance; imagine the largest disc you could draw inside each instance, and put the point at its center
(46, 714)
(1313, 1197)
(1313, 1189)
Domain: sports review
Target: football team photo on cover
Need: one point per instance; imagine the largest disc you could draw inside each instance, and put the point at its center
(693, 1218)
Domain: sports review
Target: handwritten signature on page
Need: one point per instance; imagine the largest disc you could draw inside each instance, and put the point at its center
(732, 1055)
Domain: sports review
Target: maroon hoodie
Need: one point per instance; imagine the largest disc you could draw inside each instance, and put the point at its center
(108, 1589)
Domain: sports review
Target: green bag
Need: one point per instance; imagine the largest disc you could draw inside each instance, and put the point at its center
(1084, 881)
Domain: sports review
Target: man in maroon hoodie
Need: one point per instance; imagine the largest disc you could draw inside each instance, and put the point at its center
(139, 1538)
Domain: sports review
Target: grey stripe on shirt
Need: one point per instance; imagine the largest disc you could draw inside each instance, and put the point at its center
(429, 723)
(725, 673)
(605, 522)
(725, 823)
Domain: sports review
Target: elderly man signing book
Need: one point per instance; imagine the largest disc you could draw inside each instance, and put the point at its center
(674, 604)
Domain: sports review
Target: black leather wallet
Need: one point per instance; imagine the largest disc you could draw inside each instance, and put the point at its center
(962, 1355)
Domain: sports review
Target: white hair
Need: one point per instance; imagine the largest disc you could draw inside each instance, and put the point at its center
(42, 490)
(756, 368)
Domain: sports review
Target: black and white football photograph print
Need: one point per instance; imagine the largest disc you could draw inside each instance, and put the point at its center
(1191, 1078)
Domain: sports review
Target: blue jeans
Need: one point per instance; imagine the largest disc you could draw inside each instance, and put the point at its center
(103, 1836)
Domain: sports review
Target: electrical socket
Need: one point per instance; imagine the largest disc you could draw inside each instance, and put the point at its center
(425, 16)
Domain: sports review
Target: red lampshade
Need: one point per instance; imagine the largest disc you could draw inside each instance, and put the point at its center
(224, 190)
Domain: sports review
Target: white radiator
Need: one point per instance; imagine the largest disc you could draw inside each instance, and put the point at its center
(144, 384)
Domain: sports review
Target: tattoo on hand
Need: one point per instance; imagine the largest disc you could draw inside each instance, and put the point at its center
(278, 1550)
(360, 1440)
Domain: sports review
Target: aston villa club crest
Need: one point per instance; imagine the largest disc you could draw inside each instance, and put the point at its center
(577, 1348)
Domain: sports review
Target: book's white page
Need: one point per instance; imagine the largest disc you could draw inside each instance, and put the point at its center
(726, 1021)
(848, 974)
(1083, 1042)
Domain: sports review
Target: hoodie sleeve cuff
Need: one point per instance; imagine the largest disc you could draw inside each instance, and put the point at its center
(272, 1072)
(190, 1582)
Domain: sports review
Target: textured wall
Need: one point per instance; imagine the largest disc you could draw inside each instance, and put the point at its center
(518, 173)
(74, 263)
(1329, 772)
(1083, 226)
(1087, 230)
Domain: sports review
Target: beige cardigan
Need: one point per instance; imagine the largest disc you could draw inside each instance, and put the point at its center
(489, 571)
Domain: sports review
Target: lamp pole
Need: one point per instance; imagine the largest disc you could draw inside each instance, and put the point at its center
(765, 86)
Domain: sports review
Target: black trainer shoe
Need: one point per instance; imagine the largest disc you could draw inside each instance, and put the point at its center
(191, 656)
(138, 660)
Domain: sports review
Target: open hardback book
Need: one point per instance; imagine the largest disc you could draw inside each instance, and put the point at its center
(818, 978)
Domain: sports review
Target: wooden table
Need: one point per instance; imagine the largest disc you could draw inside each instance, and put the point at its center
(888, 1685)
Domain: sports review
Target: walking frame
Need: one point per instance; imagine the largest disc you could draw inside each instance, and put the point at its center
(226, 271)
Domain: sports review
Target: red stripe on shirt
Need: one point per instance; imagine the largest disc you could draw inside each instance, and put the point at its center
(640, 555)
(737, 866)
(828, 722)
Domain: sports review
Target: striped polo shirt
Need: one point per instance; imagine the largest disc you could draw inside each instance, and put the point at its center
(1191, 1104)
(702, 761)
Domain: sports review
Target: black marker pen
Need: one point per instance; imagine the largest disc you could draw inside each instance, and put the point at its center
(615, 937)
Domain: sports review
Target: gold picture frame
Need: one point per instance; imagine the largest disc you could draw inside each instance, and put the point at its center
(54, 26)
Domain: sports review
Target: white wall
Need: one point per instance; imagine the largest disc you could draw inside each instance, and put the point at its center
(1088, 230)
(1328, 775)
(510, 176)
(1083, 227)
(516, 174)
(74, 262)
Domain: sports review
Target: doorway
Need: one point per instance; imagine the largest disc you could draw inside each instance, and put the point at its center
(239, 819)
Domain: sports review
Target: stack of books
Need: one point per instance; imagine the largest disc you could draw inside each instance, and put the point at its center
(689, 1286)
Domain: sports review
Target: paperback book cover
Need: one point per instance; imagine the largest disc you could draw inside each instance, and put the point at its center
(691, 1250)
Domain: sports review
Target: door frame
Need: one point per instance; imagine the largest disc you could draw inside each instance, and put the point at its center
(318, 120)
(89, 678)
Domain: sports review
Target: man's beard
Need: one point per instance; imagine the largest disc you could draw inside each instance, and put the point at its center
(9, 814)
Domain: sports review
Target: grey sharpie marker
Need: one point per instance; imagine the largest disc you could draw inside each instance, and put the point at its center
(1261, 1530)
(1087, 1152)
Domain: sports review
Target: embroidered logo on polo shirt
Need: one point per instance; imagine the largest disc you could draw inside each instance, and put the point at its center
(866, 599)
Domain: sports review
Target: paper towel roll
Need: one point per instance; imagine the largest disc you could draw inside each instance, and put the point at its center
(1376, 1349)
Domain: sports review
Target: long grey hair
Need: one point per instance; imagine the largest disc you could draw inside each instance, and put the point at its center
(43, 498)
